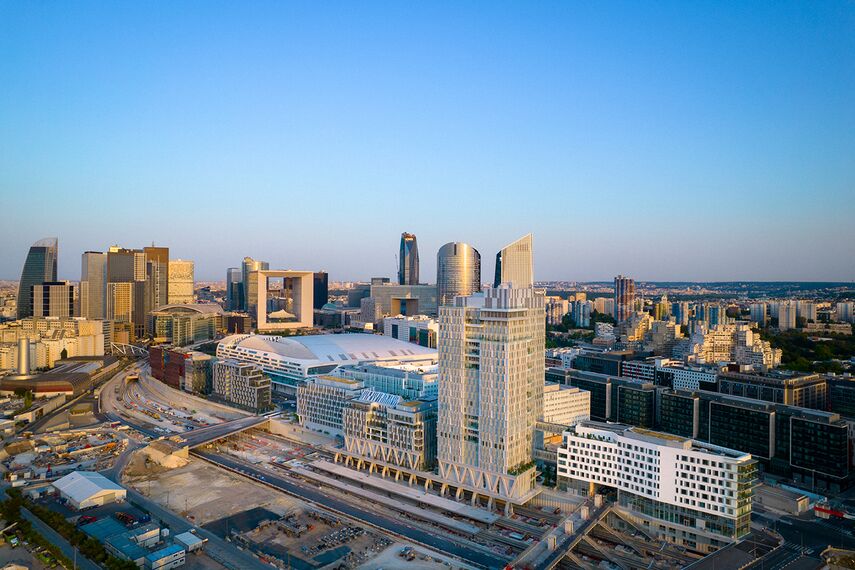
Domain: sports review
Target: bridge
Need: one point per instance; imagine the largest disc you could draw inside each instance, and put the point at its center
(127, 349)
(208, 434)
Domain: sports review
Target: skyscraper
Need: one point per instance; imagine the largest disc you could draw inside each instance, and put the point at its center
(39, 267)
(458, 272)
(250, 265)
(234, 289)
(624, 298)
(321, 289)
(181, 281)
(157, 276)
(93, 285)
(514, 264)
(408, 260)
(491, 371)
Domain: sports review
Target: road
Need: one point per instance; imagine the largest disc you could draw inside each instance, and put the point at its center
(57, 540)
(394, 525)
(805, 537)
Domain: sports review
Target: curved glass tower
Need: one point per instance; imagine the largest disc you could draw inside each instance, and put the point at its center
(39, 267)
(458, 272)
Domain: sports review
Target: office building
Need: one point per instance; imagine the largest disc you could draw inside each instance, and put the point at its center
(515, 264)
(93, 285)
(384, 430)
(291, 360)
(235, 296)
(321, 401)
(242, 385)
(565, 405)
(281, 309)
(120, 302)
(662, 309)
(185, 324)
(680, 312)
(783, 387)
(491, 371)
(181, 282)
(249, 266)
(157, 277)
(683, 491)
(182, 369)
(320, 288)
(389, 299)
(53, 299)
(420, 329)
(622, 400)
(39, 267)
(413, 380)
(603, 362)
(458, 272)
(811, 447)
(624, 298)
(408, 260)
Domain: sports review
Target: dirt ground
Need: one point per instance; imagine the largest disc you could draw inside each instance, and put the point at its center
(425, 560)
(204, 493)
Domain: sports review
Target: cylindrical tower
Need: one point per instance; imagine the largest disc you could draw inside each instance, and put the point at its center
(23, 356)
(458, 271)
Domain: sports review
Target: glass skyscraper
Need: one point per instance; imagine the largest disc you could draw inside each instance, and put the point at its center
(40, 267)
(624, 298)
(458, 272)
(514, 264)
(408, 260)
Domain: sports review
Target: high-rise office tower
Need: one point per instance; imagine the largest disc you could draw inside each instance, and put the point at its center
(129, 266)
(39, 267)
(234, 289)
(53, 299)
(408, 260)
(514, 264)
(458, 272)
(93, 285)
(120, 301)
(491, 371)
(181, 281)
(157, 276)
(250, 265)
(624, 298)
(321, 289)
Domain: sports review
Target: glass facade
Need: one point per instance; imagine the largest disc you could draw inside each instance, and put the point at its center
(39, 267)
(458, 272)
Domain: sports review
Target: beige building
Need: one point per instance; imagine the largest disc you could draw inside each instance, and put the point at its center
(565, 405)
(491, 370)
(181, 282)
(321, 401)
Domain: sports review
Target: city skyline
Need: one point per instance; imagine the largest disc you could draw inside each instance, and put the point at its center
(670, 143)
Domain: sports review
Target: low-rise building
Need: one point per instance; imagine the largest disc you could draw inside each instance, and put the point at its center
(418, 329)
(686, 492)
(565, 405)
(242, 385)
(387, 430)
(84, 489)
(321, 401)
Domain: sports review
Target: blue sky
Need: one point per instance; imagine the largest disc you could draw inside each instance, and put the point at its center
(662, 140)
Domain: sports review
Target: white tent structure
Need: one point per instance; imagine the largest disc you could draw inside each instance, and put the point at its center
(84, 489)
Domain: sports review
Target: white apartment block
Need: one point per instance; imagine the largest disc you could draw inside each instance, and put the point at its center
(563, 357)
(691, 493)
(418, 329)
(758, 313)
(491, 371)
(565, 405)
(244, 385)
(320, 401)
(384, 430)
(787, 315)
(737, 343)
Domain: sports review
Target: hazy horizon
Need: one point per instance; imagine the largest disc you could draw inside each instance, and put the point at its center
(666, 142)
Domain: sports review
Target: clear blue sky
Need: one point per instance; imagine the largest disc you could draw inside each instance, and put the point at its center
(684, 140)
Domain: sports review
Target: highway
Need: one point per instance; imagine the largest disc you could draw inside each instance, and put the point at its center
(396, 526)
